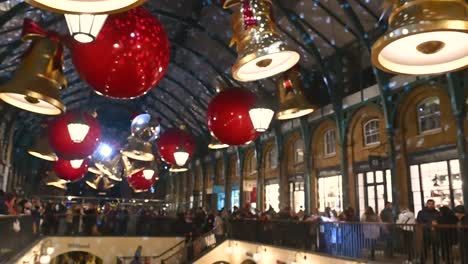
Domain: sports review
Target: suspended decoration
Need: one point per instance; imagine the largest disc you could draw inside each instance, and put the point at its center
(94, 170)
(181, 155)
(123, 47)
(424, 37)
(261, 115)
(261, 51)
(110, 167)
(70, 139)
(228, 116)
(292, 102)
(139, 182)
(85, 18)
(53, 180)
(170, 140)
(36, 84)
(42, 149)
(145, 127)
(100, 182)
(138, 149)
(131, 166)
(176, 169)
(216, 144)
(68, 171)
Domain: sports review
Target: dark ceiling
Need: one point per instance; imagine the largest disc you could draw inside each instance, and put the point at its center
(199, 32)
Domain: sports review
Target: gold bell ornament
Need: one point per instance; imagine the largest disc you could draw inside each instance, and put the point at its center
(110, 167)
(138, 149)
(131, 166)
(424, 37)
(292, 102)
(37, 82)
(53, 180)
(41, 148)
(100, 182)
(261, 51)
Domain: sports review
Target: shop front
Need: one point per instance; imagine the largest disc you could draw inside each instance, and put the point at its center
(296, 193)
(272, 194)
(235, 195)
(219, 196)
(250, 193)
(330, 190)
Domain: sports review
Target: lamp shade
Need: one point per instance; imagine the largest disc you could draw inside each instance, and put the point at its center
(261, 117)
(170, 140)
(181, 155)
(177, 169)
(292, 102)
(65, 170)
(228, 116)
(424, 37)
(216, 144)
(68, 137)
(85, 27)
(86, 6)
(261, 51)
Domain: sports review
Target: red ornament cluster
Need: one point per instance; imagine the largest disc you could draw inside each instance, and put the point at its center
(128, 58)
(228, 116)
(170, 140)
(65, 171)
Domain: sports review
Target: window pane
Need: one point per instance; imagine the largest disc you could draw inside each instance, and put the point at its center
(330, 142)
(388, 176)
(272, 196)
(429, 114)
(379, 177)
(380, 198)
(330, 193)
(456, 182)
(435, 182)
(370, 177)
(415, 186)
(371, 132)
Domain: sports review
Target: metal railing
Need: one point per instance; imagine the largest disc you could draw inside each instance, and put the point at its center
(152, 259)
(16, 234)
(195, 247)
(390, 243)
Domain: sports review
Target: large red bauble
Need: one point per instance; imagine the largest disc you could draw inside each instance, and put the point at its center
(128, 58)
(65, 171)
(139, 183)
(63, 145)
(170, 140)
(228, 116)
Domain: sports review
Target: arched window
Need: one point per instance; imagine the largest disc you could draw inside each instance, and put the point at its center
(329, 137)
(371, 132)
(252, 165)
(298, 151)
(273, 158)
(429, 114)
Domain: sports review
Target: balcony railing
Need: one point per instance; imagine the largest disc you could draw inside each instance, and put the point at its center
(16, 234)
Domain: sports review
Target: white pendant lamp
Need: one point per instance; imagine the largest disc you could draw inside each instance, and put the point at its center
(76, 164)
(85, 27)
(78, 129)
(424, 37)
(261, 115)
(181, 156)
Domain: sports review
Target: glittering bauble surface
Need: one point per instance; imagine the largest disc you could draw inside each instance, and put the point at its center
(170, 140)
(228, 116)
(63, 145)
(139, 183)
(65, 171)
(128, 58)
(146, 127)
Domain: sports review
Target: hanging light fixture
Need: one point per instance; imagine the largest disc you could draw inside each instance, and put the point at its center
(39, 78)
(53, 180)
(76, 164)
(292, 102)
(41, 149)
(424, 37)
(176, 168)
(261, 115)
(261, 51)
(138, 149)
(181, 155)
(78, 128)
(85, 27)
(216, 144)
(85, 18)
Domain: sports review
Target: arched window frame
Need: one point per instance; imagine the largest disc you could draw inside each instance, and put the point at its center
(329, 142)
(371, 132)
(424, 118)
(298, 147)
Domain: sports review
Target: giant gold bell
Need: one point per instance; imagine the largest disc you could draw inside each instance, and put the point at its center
(53, 180)
(36, 84)
(100, 182)
(424, 37)
(42, 149)
(131, 167)
(292, 102)
(110, 167)
(261, 51)
(138, 149)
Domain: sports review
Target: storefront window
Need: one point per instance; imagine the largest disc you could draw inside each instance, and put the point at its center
(439, 181)
(235, 198)
(298, 151)
(429, 114)
(330, 193)
(297, 196)
(371, 132)
(375, 188)
(221, 199)
(330, 142)
(272, 196)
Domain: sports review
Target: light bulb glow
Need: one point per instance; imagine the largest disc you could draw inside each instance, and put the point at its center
(76, 164)
(148, 174)
(181, 156)
(50, 250)
(261, 118)
(257, 257)
(78, 131)
(105, 150)
(44, 259)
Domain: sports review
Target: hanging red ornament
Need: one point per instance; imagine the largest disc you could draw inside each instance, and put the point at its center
(128, 58)
(142, 180)
(170, 140)
(71, 170)
(228, 116)
(74, 135)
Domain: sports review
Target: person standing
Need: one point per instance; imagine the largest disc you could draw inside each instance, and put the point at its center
(406, 221)
(218, 228)
(371, 231)
(427, 217)
(387, 217)
(460, 213)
